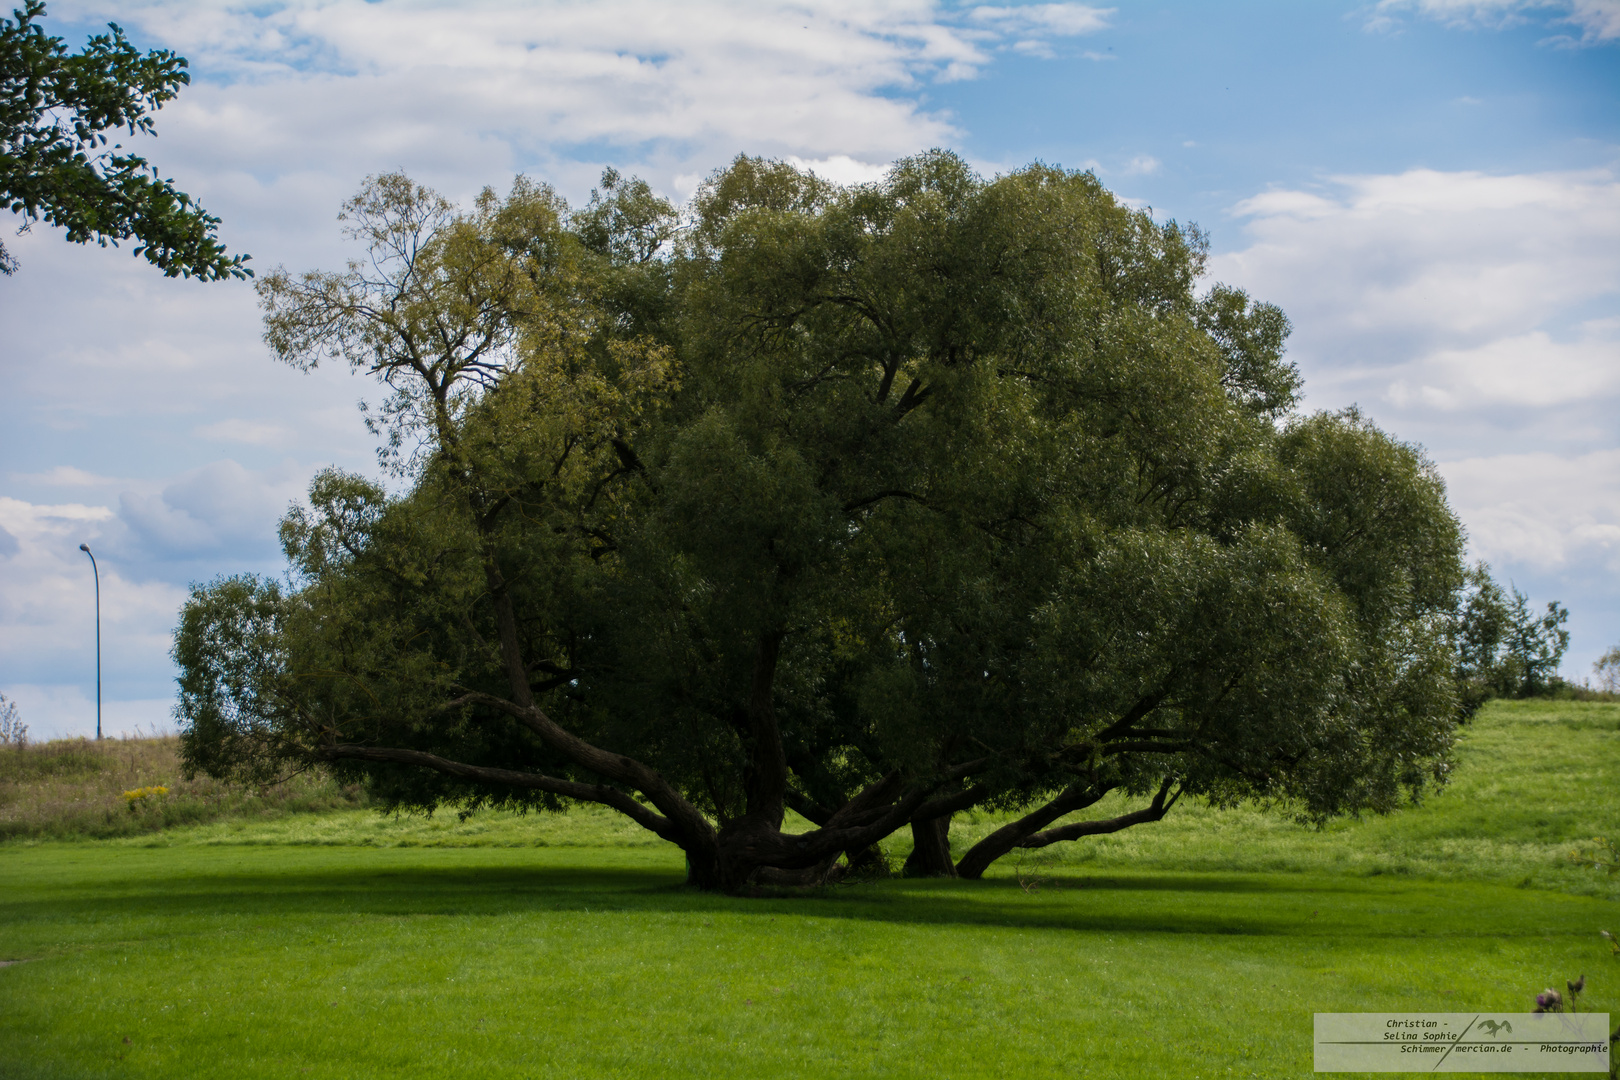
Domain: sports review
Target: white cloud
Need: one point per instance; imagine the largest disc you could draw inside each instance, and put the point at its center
(38, 520)
(1032, 26)
(124, 394)
(1066, 20)
(1033, 47)
(840, 168)
(65, 476)
(1440, 260)
(1441, 294)
(1598, 20)
(1540, 509)
(1495, 14)
(1528, 370)
(1595, 21)
(221, 506)
(478, 87)
(293, 102)
(252, 432)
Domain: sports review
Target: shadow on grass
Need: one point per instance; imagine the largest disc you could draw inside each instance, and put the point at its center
(1165, 903)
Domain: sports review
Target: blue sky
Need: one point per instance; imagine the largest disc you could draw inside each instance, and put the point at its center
(1430, 189)
(1284, 93)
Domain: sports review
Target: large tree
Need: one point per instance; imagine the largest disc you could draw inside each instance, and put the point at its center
(56, 110)
(871, 503)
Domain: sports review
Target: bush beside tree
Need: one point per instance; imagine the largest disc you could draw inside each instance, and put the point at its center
(1503, 648)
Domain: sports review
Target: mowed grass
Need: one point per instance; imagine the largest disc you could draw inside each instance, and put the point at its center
(351, 945)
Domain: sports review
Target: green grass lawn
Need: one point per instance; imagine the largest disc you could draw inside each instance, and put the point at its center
(352, 945)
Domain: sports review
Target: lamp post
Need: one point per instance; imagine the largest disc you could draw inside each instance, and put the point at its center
(96, 571)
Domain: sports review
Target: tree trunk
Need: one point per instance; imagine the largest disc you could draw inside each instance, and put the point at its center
(765, 770)
(702, 873)
(931, 848)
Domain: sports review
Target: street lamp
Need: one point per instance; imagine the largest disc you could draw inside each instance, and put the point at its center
(96, 571)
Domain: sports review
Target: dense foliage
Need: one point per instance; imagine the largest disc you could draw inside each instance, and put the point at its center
(876, 503)
(56, 108)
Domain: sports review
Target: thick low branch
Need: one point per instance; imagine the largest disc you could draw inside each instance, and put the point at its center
(1154, 811)
(597, 793)
(694, 829)
(978, 858)
(873, 797)
(873, 814)
(808, 848)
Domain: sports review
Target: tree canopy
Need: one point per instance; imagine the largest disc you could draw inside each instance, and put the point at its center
(869, 503)
(56, 109)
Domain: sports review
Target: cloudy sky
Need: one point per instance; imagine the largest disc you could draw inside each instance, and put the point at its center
(1429, 188)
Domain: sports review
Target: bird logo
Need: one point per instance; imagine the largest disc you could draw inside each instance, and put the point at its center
(1495, 1026)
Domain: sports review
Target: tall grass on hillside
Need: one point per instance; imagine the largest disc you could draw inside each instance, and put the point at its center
(1533, 801)
(72, 788)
